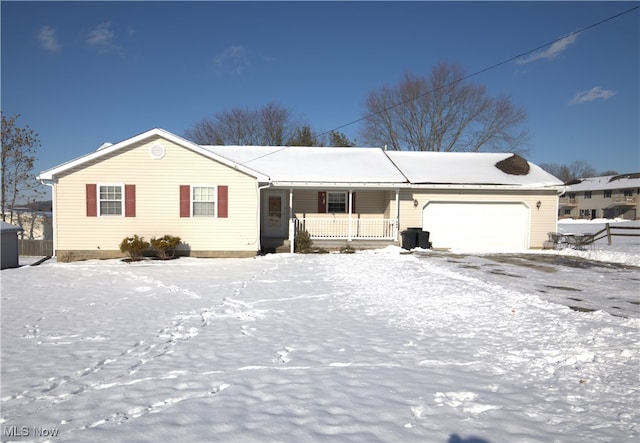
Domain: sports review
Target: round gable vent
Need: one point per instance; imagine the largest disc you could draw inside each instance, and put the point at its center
(156, 151)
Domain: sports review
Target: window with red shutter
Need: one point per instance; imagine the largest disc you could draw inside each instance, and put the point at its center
(204, 201)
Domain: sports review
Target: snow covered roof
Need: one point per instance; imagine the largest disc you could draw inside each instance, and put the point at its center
(108, 148)
(606, 182)
(313, 165)
(468, 168)
(340, 167)
(7, 227)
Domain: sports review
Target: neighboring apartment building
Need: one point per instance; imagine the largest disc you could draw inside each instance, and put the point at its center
(611, 196)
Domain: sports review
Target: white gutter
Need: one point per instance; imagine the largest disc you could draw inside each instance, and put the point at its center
(338, 185)
(484, 186)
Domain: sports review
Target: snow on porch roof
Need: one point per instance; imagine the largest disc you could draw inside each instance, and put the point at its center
(466, 168)
(310, 165)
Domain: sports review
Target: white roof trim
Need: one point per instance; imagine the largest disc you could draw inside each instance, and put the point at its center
(341, 185)
(104, 150)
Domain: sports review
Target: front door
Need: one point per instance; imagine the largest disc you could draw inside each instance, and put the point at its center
(274, 219)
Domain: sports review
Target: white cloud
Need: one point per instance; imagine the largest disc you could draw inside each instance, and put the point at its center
(235, 58)
(101, 35)
(552, 52)
(48, 40)
(102, 38)
(592, 94)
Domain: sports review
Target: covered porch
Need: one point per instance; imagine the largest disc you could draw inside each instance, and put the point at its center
(362, 217)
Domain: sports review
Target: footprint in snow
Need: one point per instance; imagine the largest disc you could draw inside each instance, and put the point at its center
(283, 356)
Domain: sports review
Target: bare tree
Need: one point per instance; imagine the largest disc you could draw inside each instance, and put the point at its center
(19, 146)
(576, 170)
(271, 125)
(443, 113)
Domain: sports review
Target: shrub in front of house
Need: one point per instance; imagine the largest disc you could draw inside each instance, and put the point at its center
(348, 249)
(302, 242)
(134, 246)
(165, 246)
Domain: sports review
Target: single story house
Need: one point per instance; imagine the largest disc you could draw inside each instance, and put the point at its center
(9, 254)
(610, 196)
(240, 200)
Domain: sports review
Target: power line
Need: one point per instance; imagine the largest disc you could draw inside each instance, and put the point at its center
(481, 71)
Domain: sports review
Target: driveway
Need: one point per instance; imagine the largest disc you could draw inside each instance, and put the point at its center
(581, 284)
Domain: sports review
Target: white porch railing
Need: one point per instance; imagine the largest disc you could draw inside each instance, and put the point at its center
(345, 228)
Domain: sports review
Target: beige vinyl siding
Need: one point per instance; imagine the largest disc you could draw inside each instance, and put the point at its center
(157, 184)
(542, 221)
(368, 203)
(602, 204)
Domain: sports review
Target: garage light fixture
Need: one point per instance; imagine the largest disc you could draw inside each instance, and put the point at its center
(538, 204)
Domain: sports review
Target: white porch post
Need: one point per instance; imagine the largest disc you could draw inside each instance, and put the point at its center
(291, 223)
(349, 234)
(397, 214)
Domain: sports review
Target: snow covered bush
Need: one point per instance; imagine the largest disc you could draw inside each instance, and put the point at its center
(165, 246)
(134, 246)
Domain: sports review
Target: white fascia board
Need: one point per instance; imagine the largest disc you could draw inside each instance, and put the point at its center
(49, 174)
(486, 187)
(340, 185)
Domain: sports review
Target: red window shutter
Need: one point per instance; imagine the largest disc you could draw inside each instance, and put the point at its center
(223, 201)
(185, 201)
(322, 202)
(353, 202)
(92, 200)
(129, 200)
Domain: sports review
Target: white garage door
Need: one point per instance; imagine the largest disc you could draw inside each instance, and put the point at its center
(477, 226)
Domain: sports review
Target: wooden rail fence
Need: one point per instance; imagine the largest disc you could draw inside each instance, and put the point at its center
(610, 231)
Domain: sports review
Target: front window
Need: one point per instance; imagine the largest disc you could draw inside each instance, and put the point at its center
(587, 194)
(607, 194)
(337, 202)
(628, 192)
(110, 198)
(204, 201)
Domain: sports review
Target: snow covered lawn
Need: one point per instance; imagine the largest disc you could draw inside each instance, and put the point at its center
(373, 346)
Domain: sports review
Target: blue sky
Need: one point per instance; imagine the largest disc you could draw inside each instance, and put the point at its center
(84, 73)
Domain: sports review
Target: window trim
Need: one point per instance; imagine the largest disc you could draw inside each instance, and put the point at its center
(192, 201)
(346, 202)
(99, 200)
